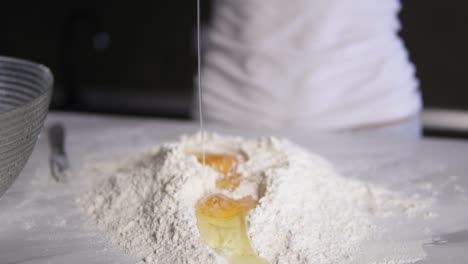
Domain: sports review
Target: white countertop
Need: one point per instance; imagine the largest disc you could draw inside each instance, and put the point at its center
(39, 222)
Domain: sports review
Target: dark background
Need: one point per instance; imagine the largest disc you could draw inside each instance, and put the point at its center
(436, 35)
(139, 57)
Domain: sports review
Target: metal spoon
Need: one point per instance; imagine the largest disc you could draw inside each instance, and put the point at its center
(59, 165)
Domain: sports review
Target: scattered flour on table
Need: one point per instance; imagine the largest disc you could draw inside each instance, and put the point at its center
(307, 213)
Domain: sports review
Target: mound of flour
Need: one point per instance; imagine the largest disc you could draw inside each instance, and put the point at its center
(307, 213)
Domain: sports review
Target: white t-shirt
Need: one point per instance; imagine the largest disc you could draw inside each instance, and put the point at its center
(320, 64)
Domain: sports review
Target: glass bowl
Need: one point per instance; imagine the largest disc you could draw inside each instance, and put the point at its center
(25, 93)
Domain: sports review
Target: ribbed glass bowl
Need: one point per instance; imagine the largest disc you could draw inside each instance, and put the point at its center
(25, 93)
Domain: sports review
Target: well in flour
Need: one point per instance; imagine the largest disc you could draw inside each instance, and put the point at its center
(304, 212)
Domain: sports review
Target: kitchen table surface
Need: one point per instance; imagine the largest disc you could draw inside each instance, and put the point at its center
(40, 222)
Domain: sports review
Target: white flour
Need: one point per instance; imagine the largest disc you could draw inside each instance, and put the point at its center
(306, 213)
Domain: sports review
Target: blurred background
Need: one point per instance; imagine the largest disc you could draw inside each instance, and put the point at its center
(138, 58)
